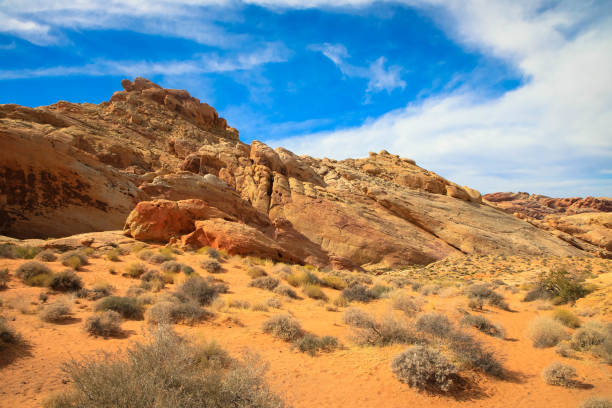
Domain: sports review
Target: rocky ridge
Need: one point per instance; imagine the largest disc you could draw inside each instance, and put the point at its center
(167, 168)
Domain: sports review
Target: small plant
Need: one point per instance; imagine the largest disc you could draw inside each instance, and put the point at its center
(239, 304)
(8, 335)
(566, 318)
(4, 278)
(435, 324)
(113, 254)
(470, 353)
(284, 327)
(211, 252)
(266, 282)
(259, 307)
(135, 270)
(586, 338)
(55, 312)
(200, 290)
(483, 293)
(426, 290)
(274, 303)
(314, 291)
(100, 290)
(484, 325)
(367, 330)
(424, 368)
(127, 307)
(559, 284)
(302, 277)
(405, 303)
(559, 374)
(66, 281)
(173, 312)
(46, 256)
(106, 324)
(546, 332)
(358, 293)
(33, 273)
(171, 267)
(312, 344)
(211, 266)
(340, 301)
(256, 272)
(334, 282)
(285, 290)
(74, 259)
(596, 402)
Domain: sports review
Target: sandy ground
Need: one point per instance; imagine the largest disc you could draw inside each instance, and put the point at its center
(354, 376)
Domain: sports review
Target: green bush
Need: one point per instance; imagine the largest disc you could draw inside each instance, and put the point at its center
(284, 327)
(546, 332)
(18, 252)
(33, 273)
(424, 368)
(127, 307)
(302, 277)
(559, 374)
(334, 282)
(106, 324)
(65, 281)
(559, 284)
(167, 371)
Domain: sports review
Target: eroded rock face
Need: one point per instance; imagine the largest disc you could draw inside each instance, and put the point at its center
(73, 168)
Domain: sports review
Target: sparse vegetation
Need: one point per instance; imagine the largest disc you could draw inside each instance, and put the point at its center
(546, 332)
(482, 293)
(256, 272)
(8, 335)
(484, 325)
(265, 282)
(211, 266)
(596, 402)
(135, 270)
(334, 282)
(106, 324)
(4, 278)
(470, 353)
(284, 327)
(33, 273)
(12, 251)
(175, 312)
(312, 344)
(200, 290)
(127, 307)
(65, 281)
(314, 291)
(367, 330)
(566, 318)
(301, 277)
(358, 293)
(55, 312)
(46, 256)
(285, 290)
(435, 324)
(167, 371)
(405, 303)
(559, 374)
(74, 259)
(424, 368)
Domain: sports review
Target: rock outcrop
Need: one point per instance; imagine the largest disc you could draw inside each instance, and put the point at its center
(167, 167)
(585, 223)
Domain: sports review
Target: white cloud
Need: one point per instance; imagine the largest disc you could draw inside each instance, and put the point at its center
(209, 63)
(379, 78)
(556, 126)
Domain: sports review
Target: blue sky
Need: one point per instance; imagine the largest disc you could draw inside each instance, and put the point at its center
(497, 95)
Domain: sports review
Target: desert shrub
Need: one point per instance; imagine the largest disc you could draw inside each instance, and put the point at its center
(559, 284)
(18, 251)
(239, 304)
(153, 279)
(470, 353)
(281, 269)
(559, 374)
(484, 325)
(312, 344)
(484, 293)
(475, 304)
(259, 307)
(172, 267)
(74, 259)
(65, 281)
(285, 290)
(160, 258)
(34, 273)
(378, 291)
(585, 338)
(265, 282)
(435, 324)
(168, 371)
(314, 291)
(274, 303)
(211, 252)
(424, 368)
(564, 350)
(46, 256)
(301, 277)
(546, 332)
(367, 330)
(113, 254)
(145, 254)
(256, 272)
(211, 266)
(405, 303)
(596, 402)
(8, 335)
(334, 282)
(358, 293)
(200, 290)
(127, 307)
(4, 278)
(567, 318)
(175, 312)
(340, 301)
(55, 312)
(431, 289)
(135, 270)
(284, 327)
(100, 290)
(187, 270)
(106, 324)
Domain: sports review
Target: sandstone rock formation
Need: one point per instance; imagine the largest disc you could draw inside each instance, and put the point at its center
(585, 223)
(73, 168)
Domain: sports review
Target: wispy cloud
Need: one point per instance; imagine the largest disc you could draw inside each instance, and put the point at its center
(379, 77)
(209, 63)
